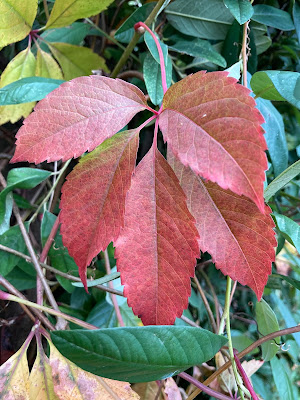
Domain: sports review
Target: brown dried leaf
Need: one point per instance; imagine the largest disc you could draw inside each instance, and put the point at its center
(73, 383)
(147, 390)
(172, 390)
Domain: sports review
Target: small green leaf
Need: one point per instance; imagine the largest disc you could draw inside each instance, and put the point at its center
(13, 239)
(272, 16)
(23, 178)
(296, 18)
(283, 179)
(242, 10)
(261, 38)
(100, 281)
(282, 380)
(27, 89)
(277, 86)
(196, 47)
(289, 228)
(138, 354)
(152, 76)
(267, 323)
(204, 19)
(65, 12)
(126, 31)
(291, 281)
(21, 280)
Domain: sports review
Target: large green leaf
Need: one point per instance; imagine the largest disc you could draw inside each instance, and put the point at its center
(73, 34)
(196, 47)
(23, 178)
(138, 354)
(16, 19)
(102, 315)
(289, 228)
(272, 16)
(202, 18)
(27, 89)
(277, 86)
(284, 178)
(274, 135)
(65, 12)
(267, 323)
(282, 380)
(242, 10)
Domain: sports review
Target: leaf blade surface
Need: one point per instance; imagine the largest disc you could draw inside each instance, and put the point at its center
(90, 114)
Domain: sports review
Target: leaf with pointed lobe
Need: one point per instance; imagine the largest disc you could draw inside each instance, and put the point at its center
(211, 124)
(157, 249)
(238, 236)
(93, 198)
(46, 66)
(77, 117)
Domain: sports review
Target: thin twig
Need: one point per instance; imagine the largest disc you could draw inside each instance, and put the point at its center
(131, 74)
(8, 286)
(111, 285)
(56, 271)
(208, 309)
(46, 9)
(216, 301)
(244, 52)
(135, 39)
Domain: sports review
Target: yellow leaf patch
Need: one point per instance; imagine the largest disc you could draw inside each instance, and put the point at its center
(46, 66)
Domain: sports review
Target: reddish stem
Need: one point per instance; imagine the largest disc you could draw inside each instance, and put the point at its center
(244, 376)
(161, 56)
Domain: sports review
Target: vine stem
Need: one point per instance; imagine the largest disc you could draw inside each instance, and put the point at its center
(11, 297)
(244, 376)
(244, 52)
(203, 388)
(208, 309)
(160, 53)
(56, 271)
(46, 9)
(228, 330)
(135, 39)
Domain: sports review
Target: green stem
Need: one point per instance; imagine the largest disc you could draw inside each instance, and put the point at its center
(11, 297)
(230, 347)
(135, 39)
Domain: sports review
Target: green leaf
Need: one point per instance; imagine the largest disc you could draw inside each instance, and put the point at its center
(284, 178)
(16, 19)
(65, 12)
(21, 280)
(46, 66)
(291, 281)
(23, 178)
(267, 323)
(274, 135)
(100, 281)
(11, 238)
(261, 38)
(296, 18)
(76, 61)
(152, 76)
(196, 47)
(73, 34)
(4, 226)
(204, 19)
(102, 315)
(150, 42)
(126, 31)
(282, 380)
(273, 17)
(277, 86)
(289, 228)
(235, 70)
(27, 89)
(58, 254)
(242, 10)
(138, 354)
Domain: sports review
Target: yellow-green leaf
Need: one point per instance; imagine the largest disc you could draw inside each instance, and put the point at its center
(41, 383)
(73, 383)
(21, 66)
(14, 376)
(76, 61)
(16, 19)
(65, 12)
(46, 66)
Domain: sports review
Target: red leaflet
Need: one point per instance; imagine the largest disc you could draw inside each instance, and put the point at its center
(77, 117)
(93, 198)
(239, 238)
(212, 125)
(157, 249)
